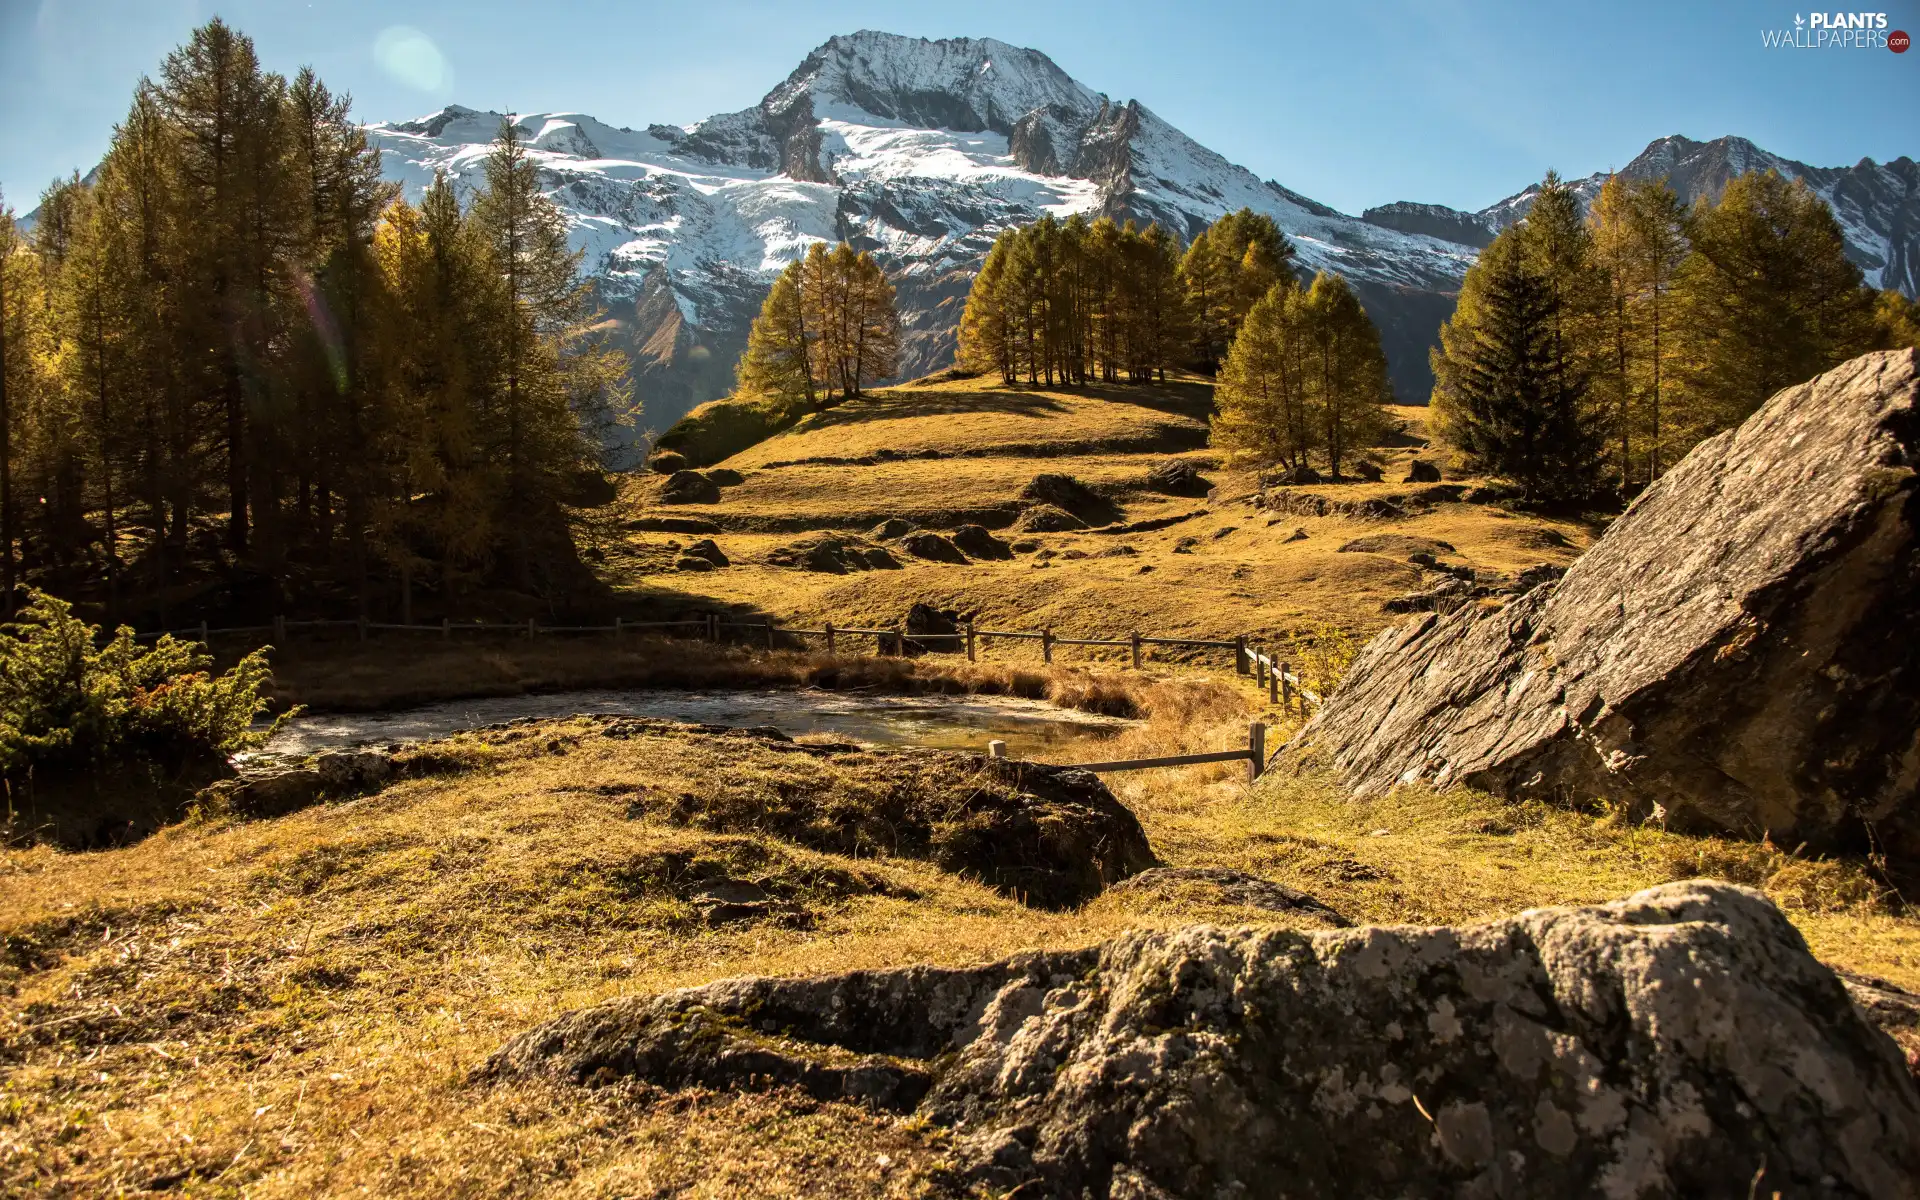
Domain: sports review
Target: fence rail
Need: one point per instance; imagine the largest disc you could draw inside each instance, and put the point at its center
(1254, 754)
(1274, 676)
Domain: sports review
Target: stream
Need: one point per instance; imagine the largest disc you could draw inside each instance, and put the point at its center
(1031, 728)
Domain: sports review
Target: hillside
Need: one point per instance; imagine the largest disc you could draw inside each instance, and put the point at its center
(298, 1006)
(940, 455)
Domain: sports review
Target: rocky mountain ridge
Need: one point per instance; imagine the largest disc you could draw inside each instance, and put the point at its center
(1878, 204)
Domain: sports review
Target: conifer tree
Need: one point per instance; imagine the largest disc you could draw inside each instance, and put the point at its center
(1229, 267)
(1767, 299)
(1347, 371)
(1512, 399)
(778, 363)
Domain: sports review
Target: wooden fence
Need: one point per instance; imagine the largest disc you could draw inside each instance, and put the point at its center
(1255, 755)
(1272, 675)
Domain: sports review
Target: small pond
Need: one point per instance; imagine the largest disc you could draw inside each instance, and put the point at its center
(1031, 728)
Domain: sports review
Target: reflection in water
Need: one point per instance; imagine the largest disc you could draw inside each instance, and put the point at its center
(1030, 728)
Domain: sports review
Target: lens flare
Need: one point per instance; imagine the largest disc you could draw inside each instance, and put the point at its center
(410, 57)
(325, 331)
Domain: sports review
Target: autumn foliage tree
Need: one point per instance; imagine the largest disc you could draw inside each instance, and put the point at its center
(236, 325)
(826, 330)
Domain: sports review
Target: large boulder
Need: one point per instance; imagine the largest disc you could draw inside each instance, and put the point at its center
(1681, 1042)
(1735, 654)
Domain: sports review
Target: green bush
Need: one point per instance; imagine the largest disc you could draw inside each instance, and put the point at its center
(69, 703)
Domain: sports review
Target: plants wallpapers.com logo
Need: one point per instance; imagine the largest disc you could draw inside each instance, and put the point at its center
(1837, 31)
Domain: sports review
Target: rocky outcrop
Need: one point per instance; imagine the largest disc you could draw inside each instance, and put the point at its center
(976, 542)
(933, 548)
(1050, 837)
(832, 554)
(1735, 654)
(1680, 1042)
(689, 487)
(1178, 477)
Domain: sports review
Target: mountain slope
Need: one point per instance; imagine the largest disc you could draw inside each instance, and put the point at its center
(921, 151)
(1878, 205)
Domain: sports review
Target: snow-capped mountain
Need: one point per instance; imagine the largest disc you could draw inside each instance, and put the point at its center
(921, 151)
(1878, 205)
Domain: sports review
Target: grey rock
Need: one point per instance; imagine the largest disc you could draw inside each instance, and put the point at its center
(830, 553)
(1069, 494)
(932, 547)
(353, 770)
(1368, 471)
(891, 528)
(1421, 471)
(690, 563)
(1537, 574)
(976, 542)
(689, 487)
(1177, 477)
(666, 462)
(1735, 654)
(724, 476)
(1671, 1043)
(1046, 518)
(709, 550)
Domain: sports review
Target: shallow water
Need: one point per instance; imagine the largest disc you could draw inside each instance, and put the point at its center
(1030, 728)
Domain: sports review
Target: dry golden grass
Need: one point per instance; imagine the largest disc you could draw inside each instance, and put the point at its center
(978, 416)
(293, 1007)
(1231, 570)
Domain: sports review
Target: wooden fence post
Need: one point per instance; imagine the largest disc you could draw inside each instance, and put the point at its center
(1286, 690)
(1276, 680)
(616, 629)
(996, 749)
(970, 657)
(531, 628)
(203, 633)
(279, 630)
(899, 641)
(769, 633)
(1256, 751)
(1240, 655)
(829, 637)
(446, 629)
(1135, 639)
(713, 626)
(1046, 645)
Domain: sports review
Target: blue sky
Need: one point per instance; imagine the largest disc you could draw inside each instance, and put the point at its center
(1350, 103)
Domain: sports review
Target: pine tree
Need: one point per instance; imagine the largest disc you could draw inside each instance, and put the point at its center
(1514, 403)
(1767, 299)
